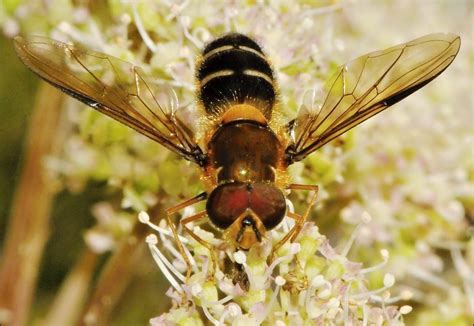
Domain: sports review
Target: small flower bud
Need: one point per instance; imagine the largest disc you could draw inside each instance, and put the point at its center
(280, 281)
(317, 281)
(385, 254)
(196, 289)
(295, 248)
(388, 280)
(234, 310)
(324, 294)
(405, 309)
(151, 239)
(240, 257)
(143, 217)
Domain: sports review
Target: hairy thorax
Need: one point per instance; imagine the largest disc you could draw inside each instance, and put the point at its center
(244, 151)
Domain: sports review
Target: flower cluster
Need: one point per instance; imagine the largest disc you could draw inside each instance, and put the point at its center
(308, 282)
(410, 168)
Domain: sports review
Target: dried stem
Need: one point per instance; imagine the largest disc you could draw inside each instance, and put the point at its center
(69, 302)
(117, 274)
(28, 229)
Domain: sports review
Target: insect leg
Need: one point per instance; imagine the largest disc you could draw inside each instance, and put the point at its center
(169, 213)
(203, 242)
(299, 223)
(299, 219)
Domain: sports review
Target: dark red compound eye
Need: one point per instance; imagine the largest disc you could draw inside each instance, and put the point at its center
(228, 201)
(268, 203)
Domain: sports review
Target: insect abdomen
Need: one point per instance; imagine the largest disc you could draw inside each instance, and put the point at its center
(234, 70)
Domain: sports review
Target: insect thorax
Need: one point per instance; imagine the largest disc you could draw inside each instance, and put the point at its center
(244, 151)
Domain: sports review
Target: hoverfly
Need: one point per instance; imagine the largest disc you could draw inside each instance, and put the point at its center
(245, 158)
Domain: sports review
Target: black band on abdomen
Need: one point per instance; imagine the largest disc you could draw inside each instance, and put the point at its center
(233, 71)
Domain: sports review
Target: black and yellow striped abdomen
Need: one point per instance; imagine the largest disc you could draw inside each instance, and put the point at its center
(234, 70)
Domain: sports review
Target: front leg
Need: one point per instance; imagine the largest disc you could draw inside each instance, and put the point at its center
(169, 213)
(299, 218)
(201, 241)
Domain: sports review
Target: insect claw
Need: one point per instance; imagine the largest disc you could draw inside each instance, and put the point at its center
(188, 274)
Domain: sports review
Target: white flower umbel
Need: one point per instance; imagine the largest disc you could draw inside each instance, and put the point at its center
(412, 174)
(307, 281)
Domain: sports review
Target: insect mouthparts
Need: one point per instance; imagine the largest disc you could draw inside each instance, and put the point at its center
(248, 221)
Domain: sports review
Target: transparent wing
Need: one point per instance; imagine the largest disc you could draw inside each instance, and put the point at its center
(112, 86)
(368, 85)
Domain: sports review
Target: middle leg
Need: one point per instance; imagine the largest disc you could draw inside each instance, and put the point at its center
(200, 240)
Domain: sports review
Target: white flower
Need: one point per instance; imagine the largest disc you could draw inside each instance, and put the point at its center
(248, 289)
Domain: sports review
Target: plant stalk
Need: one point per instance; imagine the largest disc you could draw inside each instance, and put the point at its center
(28, 228)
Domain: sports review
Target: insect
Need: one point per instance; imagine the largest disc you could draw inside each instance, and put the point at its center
(245, 157)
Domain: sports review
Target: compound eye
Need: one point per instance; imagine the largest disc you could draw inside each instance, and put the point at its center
(268, 203)
(226, 203)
